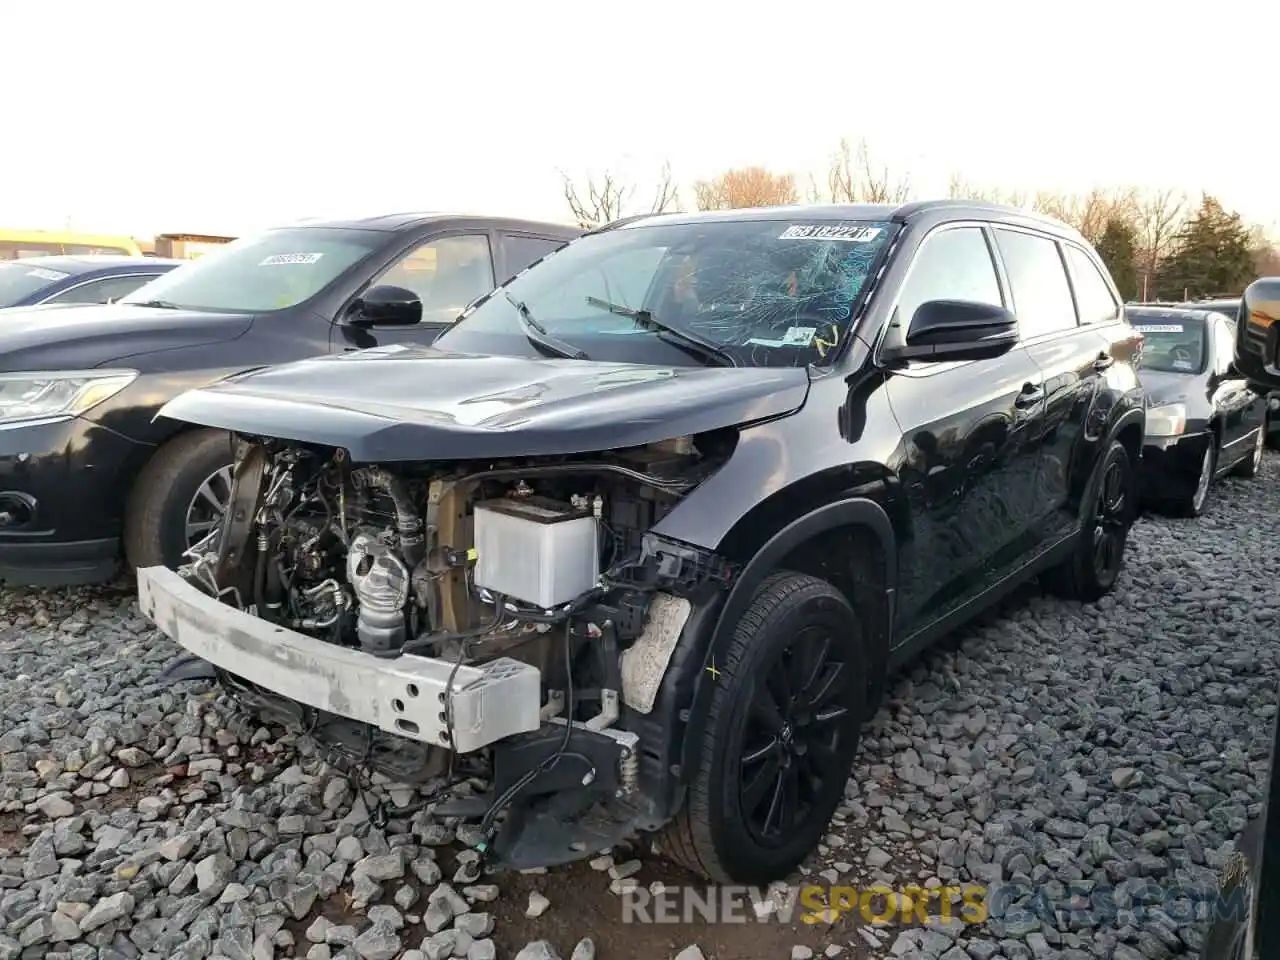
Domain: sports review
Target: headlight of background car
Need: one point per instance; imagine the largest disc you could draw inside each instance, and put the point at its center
(1166, 420)
(34, 396)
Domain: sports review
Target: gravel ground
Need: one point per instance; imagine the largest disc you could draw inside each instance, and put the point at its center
(1073, 755)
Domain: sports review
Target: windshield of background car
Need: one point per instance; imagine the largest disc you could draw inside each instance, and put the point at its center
(768, 292)
(1172, 344)
(271, 271)
(19, 281)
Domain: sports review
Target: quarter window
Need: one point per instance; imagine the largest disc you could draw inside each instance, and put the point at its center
(1041, 295)
(954, 264)
(1093, 295)
(524, 250)
(446, 274)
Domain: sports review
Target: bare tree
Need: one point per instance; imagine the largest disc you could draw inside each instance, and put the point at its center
(1090, 212)
(961, 189)
(607, 196)
(853, 178)
(1159, 217)
(746, 187)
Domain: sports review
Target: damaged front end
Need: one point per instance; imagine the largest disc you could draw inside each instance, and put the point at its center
(432, 621)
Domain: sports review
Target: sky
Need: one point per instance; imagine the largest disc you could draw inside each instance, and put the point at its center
(229, 117)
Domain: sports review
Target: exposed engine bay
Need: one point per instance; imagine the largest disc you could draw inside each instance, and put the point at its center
(546, 561)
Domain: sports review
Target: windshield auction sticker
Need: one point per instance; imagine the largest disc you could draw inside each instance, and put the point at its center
(41, 274)
(851, 233)
(1160, 328)
(278, 259)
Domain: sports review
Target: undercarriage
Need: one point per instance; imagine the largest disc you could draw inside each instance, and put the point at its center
(437, 621)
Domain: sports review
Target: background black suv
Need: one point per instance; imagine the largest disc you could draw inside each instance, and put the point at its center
(828, 435)
(83, 462)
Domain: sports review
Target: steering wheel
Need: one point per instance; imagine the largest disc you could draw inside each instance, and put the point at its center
(1181, 353)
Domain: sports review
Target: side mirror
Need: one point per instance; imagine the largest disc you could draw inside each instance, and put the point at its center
(945, 330)
(387, 306)
(1257, 347)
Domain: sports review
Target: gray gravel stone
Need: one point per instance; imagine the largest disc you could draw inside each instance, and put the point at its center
(1110, 746)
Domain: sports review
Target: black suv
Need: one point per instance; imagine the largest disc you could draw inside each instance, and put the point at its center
(641, 535)
(84, 465)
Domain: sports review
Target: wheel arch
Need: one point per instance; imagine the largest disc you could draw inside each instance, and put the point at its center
(852, 544)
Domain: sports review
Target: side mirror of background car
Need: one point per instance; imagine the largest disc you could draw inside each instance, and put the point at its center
(388, 306)
(943, 330)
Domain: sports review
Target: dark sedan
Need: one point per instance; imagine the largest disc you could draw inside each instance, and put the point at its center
(85, 279)
(87, 474)
(1203, 418)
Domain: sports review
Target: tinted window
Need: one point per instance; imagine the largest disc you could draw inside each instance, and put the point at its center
(1038, 282)
(446, 274)
(1093, 296)
(19, 281)
(101, 291)
(951, 265)
(522, 251)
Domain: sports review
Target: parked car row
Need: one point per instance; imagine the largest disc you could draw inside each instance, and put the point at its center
(639, 517)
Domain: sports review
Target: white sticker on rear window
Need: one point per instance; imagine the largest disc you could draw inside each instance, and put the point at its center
(851, 233)
(42, 274)
(1183, 365)
(278, 259)
(1160, 328)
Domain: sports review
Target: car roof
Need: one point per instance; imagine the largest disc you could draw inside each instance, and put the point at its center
(86, 262)
(1169, 313)
(892, 212)
(394, 222)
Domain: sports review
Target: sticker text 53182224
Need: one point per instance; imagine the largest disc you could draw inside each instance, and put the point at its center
(1159, 328)
(849, 232)
(279, 259)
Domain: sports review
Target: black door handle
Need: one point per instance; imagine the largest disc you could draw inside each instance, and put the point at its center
(1104, 361)
(1031, 395)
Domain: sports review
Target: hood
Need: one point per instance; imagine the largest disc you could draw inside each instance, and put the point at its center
(1165, 387)
(420, 403)
(75, 337)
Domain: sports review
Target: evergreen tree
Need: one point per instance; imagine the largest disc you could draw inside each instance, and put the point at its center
(1212, 256)
(1118, 249)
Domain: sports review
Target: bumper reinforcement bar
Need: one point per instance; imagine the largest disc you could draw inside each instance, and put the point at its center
(406, 695)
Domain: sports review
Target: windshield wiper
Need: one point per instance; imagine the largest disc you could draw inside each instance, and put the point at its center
(537, 333)
(690, 341)
(158, 304)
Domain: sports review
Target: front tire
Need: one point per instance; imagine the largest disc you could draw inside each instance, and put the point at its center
(780, 736)
(1107, 513)
(178, 498)
(1193, 505)
(1248, 468)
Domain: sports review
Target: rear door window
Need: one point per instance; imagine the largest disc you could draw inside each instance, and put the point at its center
(1093, 295)
(1038, 281)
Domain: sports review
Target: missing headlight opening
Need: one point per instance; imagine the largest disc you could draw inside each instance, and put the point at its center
(507, 602)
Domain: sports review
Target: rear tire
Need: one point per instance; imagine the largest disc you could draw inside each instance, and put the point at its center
(157, 512)
(776, 751)
(1107, 512)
